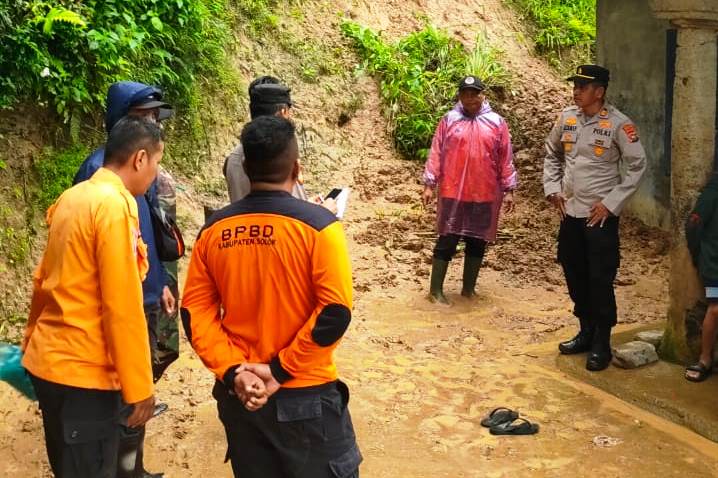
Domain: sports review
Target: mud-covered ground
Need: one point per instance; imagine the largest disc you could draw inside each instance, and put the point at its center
(422, 376)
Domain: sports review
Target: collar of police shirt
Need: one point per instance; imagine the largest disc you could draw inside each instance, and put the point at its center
(603, 113)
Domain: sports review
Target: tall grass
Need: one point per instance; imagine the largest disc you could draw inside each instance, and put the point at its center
(565, 30)
(419, 77)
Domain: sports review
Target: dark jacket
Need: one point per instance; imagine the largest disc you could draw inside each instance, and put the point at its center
(119, 98)
(702, 233)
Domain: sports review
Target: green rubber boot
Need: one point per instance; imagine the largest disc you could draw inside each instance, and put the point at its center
(438, 274)
(471, 273)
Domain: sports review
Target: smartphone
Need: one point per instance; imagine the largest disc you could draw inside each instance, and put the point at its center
(127, 410)
(160, 408)
(333, 193)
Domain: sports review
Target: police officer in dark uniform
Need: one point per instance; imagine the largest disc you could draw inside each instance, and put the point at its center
(585, 150)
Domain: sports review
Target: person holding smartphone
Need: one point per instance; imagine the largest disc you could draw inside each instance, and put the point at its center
(86, 343)
(267, 97)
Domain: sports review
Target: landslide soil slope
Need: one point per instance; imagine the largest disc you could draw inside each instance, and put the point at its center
(422, 376)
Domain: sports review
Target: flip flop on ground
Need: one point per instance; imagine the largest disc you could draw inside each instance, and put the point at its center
(519, 426)
(498, 416)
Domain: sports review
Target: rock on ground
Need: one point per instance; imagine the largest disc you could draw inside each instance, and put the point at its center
(634, 354)
(652, 337)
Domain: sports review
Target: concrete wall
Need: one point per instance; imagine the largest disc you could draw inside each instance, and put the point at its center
(632, 44)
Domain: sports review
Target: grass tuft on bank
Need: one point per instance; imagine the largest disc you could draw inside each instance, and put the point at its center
(419, 76)
(564, 31)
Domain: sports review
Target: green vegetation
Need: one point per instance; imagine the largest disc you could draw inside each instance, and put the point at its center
(562, 28)
(15, 239)
(15, 245)
(259, 16)
(419, 76)
(55, 170)
(66, 54)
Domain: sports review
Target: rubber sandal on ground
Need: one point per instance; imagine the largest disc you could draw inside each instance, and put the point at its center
(701, 372)
(519, 426)
(498, 416)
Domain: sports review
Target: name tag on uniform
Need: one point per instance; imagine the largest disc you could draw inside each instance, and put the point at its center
(601, 137)
(569, 137)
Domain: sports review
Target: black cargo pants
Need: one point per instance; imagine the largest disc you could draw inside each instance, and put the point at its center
(131, 450)
(299, 433)
(590, 258)
(81, 429)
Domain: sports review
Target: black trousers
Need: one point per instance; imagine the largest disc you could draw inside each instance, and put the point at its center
(446, 247)
(590, 258)
(131, 449)
(131, 452)
(81, 429)
(299, 433)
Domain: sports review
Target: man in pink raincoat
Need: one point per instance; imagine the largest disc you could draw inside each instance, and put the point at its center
(471, 165)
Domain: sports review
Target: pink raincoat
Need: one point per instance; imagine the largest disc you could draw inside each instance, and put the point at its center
(471, 162)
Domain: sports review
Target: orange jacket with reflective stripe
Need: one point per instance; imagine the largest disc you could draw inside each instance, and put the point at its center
(87, 326)
(270, 282)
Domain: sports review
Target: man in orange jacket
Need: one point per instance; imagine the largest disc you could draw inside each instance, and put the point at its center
(267, 299)
(86, 342)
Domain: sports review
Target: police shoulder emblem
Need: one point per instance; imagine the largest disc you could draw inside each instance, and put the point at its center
(631, 132)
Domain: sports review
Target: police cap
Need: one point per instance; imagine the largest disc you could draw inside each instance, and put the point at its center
(270, 94)
(590, 74)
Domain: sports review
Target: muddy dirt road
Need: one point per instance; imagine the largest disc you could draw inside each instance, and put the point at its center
(422, 376)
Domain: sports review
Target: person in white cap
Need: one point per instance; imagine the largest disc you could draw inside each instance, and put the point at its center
(471, 167)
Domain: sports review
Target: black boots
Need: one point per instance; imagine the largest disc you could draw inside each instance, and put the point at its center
(581, 342)
(600, 356)
(131, 454)
(593, 339)
(438, 274)
(471, 273)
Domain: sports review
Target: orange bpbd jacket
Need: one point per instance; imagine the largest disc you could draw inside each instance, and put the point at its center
(270, 282)
(87, 326)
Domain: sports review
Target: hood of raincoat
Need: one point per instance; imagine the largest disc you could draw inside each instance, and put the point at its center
(123, 94)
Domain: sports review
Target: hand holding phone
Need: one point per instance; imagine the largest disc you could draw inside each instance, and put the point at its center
(333, 193)
(160, 408)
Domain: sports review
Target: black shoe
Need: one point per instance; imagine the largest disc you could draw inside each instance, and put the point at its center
(147, 474)
(579, 344)
(598, 361)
